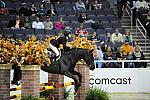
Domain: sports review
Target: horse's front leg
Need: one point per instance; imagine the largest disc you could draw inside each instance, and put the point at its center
(70, 75)
(79, 76)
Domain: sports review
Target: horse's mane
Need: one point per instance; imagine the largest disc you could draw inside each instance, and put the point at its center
(74, 50)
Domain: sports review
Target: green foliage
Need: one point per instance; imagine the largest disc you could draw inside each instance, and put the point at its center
(97, 94)
(46, 93)
(32, 98)
(66, 93)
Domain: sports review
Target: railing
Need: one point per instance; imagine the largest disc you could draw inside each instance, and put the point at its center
(130, 13)
(121, 61)
(138, 27)
(138, 23)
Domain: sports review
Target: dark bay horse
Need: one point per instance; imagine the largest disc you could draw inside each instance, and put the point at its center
(67, 62)
(65, 65)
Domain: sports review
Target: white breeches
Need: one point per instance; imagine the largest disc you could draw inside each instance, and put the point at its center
(56, 51)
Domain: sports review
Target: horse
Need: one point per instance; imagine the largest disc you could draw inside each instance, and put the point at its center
(67, 62)
(65, 65)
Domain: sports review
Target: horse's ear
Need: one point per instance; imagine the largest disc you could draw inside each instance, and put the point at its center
(91, 51)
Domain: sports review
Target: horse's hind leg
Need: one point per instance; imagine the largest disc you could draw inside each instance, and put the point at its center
(79, 75)
(70, 75)
(17, 74)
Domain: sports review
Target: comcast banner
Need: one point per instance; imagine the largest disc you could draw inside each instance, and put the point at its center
(121, 79)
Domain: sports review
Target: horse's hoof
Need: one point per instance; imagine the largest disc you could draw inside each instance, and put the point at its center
(75, 93)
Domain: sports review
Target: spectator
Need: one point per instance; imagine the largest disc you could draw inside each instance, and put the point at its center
(93, 36)
(103, 47)
(81, 32)
(135, 44)
(116, 37)
(148, 24)
(120, 7)
(131, 2)
(108, 38)
(138, 55)
(27, 23)
(140, 4)
(79, 6)
(127, 36)
(83, 18)
(98, 55)
(16, 23)
(128, 54)
(137, 7)
(120, 55)
(37, 24)
(3, 9)
(59, 25)
(46, 1)
(24, 11)
(108, 55)
(96, 5)
(33, 10)
(68, 33)
(47, 23)
(42, 11)
(87, 5)
(126, 49)
(2, 4)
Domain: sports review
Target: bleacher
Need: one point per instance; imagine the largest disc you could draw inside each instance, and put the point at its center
(106, 17)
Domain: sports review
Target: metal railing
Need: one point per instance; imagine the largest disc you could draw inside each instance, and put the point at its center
(130, 13)
(121, 61)
(140, 27)
(138, 23)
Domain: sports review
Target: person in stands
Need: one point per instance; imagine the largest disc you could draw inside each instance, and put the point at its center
(33, 10)
(47, 23)
(116, 39)
(97, 5)
(42, 11)
(138, 55)
(126, 48)
(137, 7)
(79, 6)
(87, 5)
(83, 18)
(24, 11)
(17, 23)
(108, 55)
(3, 9)
(59, 25)
(81, 32)
(27, 23)
(127, 36)
(98, 55)
(37, 24)
(120, 4)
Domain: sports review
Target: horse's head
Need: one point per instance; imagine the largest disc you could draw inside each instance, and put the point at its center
(89, 59)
